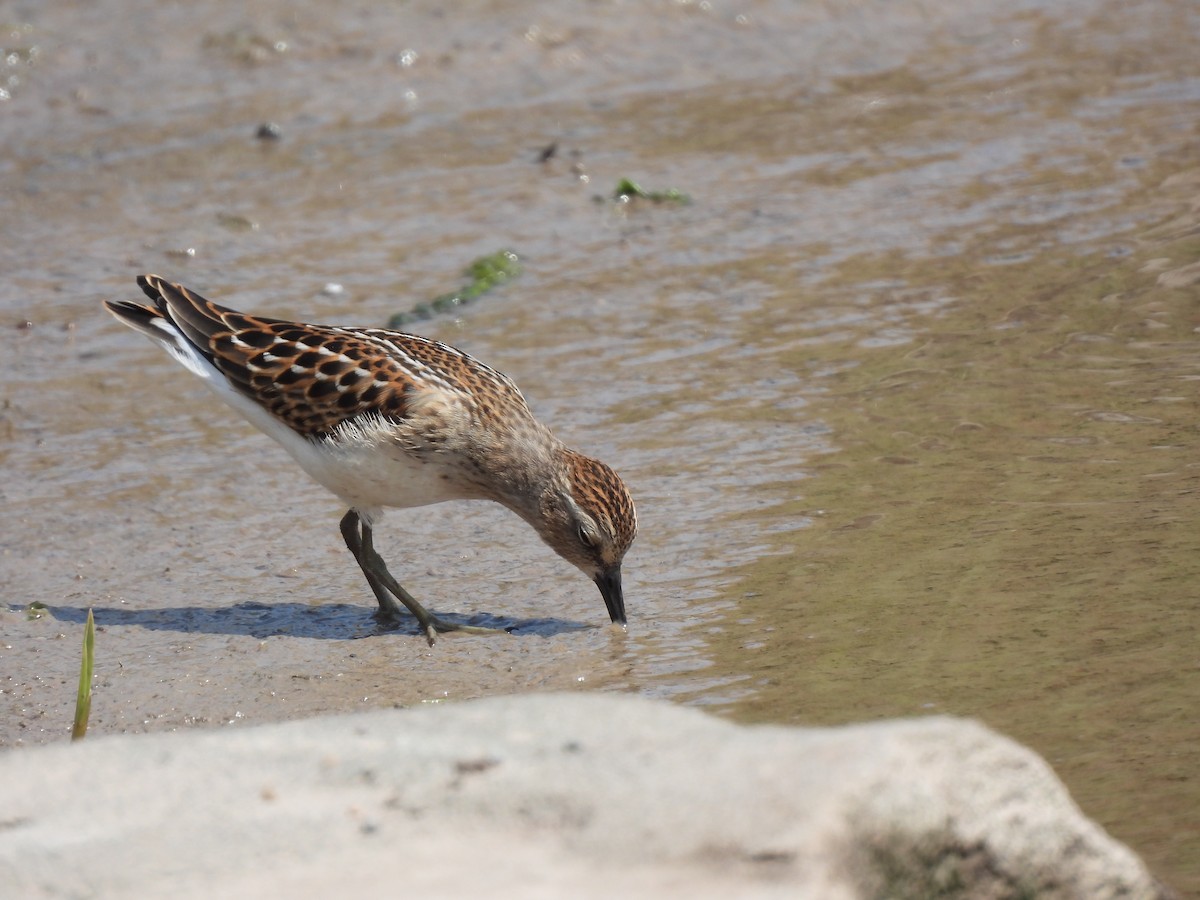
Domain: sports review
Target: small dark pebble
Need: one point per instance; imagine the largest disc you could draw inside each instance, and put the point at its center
(772, 856)
(470, 766)
(268, 131)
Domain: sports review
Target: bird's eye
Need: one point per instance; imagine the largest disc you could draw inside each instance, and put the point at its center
(587, 537)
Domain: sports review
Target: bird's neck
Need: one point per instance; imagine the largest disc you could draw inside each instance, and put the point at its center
(527, 473)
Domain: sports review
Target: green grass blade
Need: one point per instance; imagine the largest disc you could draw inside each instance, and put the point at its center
(83, 700)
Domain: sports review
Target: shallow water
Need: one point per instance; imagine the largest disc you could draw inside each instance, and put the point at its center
(905, 394)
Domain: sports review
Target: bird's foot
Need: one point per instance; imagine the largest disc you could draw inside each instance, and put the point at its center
(436, 625)
(431, 625)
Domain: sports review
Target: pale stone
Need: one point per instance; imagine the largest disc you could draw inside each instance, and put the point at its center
(579, 795)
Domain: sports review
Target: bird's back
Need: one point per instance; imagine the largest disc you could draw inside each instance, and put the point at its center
(315, 378)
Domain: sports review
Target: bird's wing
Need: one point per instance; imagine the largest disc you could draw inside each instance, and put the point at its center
(311, 377)
(315, 377)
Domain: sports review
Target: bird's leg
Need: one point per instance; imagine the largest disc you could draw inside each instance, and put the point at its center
(358, 537)
(353, 538)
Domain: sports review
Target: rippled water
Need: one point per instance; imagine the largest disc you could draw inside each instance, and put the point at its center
(905, 393)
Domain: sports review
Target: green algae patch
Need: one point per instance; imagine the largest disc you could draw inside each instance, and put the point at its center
(628, 189)
(484, 274)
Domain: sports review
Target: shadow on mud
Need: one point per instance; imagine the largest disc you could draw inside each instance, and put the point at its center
(330, 621)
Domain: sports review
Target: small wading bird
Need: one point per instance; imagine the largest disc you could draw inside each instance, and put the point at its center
(385, 419)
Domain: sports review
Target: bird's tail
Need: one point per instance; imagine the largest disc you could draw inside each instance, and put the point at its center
(168, 322)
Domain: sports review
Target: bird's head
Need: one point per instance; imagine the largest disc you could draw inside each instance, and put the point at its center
(589, 519)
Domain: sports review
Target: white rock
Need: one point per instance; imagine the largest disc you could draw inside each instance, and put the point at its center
(579, 795)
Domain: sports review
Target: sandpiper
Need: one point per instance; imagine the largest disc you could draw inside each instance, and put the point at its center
(386, 419)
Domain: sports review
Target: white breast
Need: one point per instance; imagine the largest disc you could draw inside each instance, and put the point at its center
(364, 465)
(370, 476)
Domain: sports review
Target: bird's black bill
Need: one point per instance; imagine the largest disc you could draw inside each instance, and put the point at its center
(609, 583)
